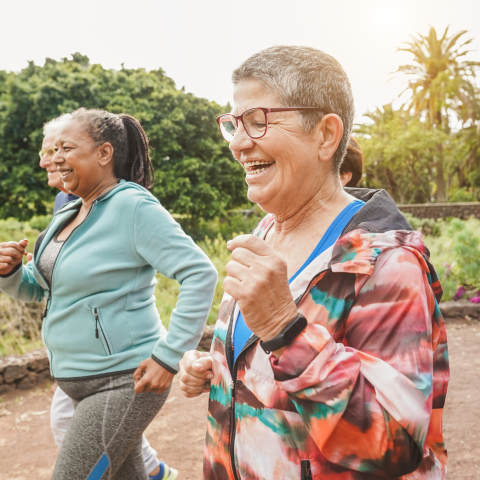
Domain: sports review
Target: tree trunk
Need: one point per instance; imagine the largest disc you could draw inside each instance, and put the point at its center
(440, 181)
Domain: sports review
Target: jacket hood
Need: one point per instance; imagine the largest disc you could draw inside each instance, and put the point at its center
(379, 214)
(378, 227)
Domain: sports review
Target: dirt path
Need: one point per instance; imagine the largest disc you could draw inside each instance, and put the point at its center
(27, 450)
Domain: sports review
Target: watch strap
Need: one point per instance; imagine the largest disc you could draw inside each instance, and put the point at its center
(286, 336)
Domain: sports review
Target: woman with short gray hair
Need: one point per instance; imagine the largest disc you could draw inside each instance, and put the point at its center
(329, 358)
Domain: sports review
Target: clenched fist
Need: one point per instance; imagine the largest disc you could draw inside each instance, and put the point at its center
(195, 373)
(257, 279)
(11, 254)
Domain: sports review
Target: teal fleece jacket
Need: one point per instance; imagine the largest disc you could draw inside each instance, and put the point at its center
(101, 316)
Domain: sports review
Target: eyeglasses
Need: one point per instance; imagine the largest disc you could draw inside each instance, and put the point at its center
(48, 151)
(255, 121)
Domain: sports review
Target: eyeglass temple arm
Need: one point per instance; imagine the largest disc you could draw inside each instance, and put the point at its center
(290, 109)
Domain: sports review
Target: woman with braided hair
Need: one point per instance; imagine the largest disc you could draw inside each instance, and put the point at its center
(96, 265)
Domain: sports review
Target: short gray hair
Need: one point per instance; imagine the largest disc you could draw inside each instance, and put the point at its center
(304, 77)
(53, 126)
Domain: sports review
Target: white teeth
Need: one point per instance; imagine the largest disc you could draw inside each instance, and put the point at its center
(252, 164)
(256, 172)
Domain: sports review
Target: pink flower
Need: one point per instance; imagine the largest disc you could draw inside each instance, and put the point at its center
(460, 293)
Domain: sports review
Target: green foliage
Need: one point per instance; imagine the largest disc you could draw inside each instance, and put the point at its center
(461, 195)
(455, 253)
(427, 226)
(414, 152)
(401, 155)
(442, 86)
(400, 152)
(195, 172)
(14, 230)
(466, 249)
(236, 222)
(440, 80)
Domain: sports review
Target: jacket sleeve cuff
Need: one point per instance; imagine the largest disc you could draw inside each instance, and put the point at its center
(164, 365)
(13, 272)
(298, 355)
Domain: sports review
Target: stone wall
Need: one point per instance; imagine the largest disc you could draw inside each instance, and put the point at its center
(25, 371)
(443, 210)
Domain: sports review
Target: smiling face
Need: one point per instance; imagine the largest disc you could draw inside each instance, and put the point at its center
(82, 165)
(53, 176)
(284, 169)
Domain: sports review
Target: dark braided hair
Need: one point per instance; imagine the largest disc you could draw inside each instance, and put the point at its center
(131, 159)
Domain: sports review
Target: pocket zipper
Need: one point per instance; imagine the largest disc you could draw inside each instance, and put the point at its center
(97, 323)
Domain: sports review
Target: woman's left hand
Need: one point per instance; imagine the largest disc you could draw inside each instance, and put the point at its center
(257, 279)
(151, 377)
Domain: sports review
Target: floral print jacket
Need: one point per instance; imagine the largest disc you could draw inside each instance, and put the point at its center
(359, 394)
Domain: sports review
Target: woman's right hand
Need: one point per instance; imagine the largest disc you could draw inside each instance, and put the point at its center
(195, 373)
(11, 254)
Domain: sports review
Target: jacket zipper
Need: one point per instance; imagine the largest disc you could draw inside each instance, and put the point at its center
(50, 284)
(233, 370)
(97, 323)
(305, 470)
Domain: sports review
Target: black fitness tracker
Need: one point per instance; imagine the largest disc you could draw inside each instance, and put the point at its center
(286, 336)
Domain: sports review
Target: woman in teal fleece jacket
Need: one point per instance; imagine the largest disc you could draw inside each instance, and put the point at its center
(96, 265)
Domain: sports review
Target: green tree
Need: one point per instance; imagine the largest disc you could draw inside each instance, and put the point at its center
(442, 87)
(195, 172)
(399, 152)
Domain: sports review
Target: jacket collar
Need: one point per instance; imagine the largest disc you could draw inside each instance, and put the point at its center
(122, 185)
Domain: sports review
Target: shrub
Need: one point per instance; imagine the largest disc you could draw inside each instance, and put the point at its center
(461, 195)
(427, 226)
(455, 253)
(466, 248)
(40, 222)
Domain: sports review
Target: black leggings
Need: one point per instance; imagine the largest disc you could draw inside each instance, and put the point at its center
(104, 438)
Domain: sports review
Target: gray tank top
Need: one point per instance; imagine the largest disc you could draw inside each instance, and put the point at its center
(48, 258)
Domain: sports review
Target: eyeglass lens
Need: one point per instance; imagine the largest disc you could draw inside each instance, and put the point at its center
(228, 126)
(49, 151)
(254, 122)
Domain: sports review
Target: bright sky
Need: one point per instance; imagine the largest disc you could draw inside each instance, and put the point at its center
(199, 43)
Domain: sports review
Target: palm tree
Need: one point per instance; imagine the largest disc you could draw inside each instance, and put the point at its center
(442, 86)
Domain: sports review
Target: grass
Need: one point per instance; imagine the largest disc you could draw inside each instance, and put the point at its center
(20, 325)
(167, 290)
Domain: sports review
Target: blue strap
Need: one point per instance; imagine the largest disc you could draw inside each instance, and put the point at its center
(242, 333)
(100, 468)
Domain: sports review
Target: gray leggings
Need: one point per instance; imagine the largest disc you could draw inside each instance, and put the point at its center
(104, 438)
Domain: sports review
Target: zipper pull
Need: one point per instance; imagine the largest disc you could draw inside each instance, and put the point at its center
(46, 308)
(96, 322)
